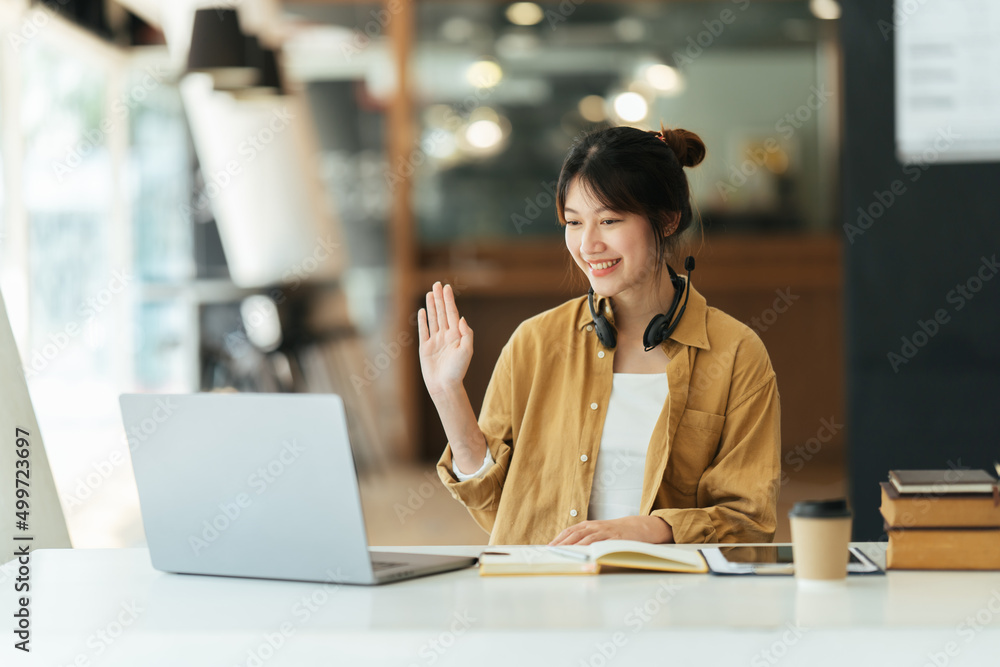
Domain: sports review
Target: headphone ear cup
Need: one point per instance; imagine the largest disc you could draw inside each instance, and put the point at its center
(605, 332)
(659, 328)
(651, 337)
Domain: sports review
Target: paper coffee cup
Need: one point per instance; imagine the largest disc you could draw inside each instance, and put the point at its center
(821, 532)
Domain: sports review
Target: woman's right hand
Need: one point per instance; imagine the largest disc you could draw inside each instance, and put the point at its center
(445, 341)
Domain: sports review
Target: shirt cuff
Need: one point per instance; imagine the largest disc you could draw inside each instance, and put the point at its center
(487, 464)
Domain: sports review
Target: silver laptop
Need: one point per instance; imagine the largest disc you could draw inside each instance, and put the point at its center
(256, 485)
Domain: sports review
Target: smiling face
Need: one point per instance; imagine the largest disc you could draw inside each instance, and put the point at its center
(615, 250)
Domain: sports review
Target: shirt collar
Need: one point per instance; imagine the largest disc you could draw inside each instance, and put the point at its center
(692, 330)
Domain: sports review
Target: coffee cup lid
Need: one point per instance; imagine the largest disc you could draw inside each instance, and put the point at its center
(821, 509)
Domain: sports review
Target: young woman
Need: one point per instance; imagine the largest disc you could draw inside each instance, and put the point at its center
(624, 414)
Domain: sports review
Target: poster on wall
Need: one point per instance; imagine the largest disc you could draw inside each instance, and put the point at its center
(947, 88)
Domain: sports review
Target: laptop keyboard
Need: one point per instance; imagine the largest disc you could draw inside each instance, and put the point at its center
(384, 565)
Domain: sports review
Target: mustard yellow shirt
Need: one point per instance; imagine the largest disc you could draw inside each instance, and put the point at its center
(713, 461)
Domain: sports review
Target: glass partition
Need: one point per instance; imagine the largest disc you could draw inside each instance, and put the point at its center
(505, 89)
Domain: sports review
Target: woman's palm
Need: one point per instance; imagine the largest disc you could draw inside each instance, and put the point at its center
(445, 341)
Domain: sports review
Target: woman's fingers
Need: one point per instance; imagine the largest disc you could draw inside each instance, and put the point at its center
(450, 308)
(422, 334)
(442, 316)
(585, 532)
(466, 331)
(441, 313)
(565, 535)
(432, 322)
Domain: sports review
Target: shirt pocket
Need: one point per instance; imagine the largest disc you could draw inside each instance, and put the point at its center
(696, 442)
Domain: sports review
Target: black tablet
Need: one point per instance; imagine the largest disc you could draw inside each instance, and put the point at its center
(772, 559)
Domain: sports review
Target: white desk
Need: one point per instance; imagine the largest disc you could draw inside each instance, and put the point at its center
(109, 607)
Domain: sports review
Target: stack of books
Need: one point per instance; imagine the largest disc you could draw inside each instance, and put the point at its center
(942, 520)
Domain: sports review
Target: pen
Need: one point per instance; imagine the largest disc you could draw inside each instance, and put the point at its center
(772, 568)
(570, 553)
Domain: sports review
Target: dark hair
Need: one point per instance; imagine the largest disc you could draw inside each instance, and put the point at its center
(636, 171)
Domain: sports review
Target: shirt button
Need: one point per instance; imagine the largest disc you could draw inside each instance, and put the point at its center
(600, 354)
(572, 512)
(583, 458)
(593, 406)
(590, 327)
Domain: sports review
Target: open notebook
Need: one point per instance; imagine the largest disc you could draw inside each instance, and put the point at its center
(517, 560)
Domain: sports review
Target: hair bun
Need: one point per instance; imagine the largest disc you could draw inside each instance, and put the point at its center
(687, 146)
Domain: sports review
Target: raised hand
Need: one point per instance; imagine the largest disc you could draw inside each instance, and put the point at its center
(445, 341)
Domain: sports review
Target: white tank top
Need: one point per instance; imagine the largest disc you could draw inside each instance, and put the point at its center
(635, 405)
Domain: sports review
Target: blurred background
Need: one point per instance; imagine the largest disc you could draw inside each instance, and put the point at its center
(257, 195)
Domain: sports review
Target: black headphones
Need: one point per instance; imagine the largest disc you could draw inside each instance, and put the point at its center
(660, 327)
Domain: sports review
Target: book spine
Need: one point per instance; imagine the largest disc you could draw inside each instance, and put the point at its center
(939, 512)
(944, 549)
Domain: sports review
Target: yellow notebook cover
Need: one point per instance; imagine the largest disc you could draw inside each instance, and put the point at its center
(630, 554)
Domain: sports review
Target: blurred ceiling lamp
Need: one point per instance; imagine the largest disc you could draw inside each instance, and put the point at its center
(825, 9)
(219, 48)
(484, 134)
(270, 77)
(484, 73)
(631, 107)
(441, 144)
(265, 61)
(524, 13)
(663, 78)
(591, 108)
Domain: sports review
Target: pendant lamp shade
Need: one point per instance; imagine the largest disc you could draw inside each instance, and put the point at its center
(265, 60)
(270, 77)
(219, 48)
